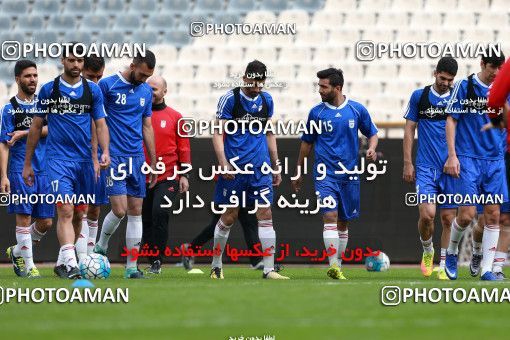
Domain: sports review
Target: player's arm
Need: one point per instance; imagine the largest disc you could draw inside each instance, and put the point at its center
(409, 132)
(5, 185)
(34, 134)
(304, 152)
(452, 166)
(273, 154)
(20, 134)
(103, 139)
(219, 149)
(183, 154)
(150, 146)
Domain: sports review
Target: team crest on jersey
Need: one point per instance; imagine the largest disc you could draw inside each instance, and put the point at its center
(163, 123)
(351, 123)
(142, 101)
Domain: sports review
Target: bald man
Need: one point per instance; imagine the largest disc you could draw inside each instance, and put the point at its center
(174, 151)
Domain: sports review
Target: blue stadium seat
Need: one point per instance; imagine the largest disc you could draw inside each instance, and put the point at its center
(11, 36)
(110, 37)
(5, 22)
(227, 18)
(7, 73)
(307, 5)
(30, 23)
(79, 36)
(62, 23)
(146, 36)
(176, 6)
(241, 6)
(143, 7)
(127, 22)
(48, 7)
(161, 21)
(177, 38)
(186, 20)
(208, 6)
(274, 5)
(45, 36)
(94, 23)
(78, 7)
(14, 7)
(110, 7)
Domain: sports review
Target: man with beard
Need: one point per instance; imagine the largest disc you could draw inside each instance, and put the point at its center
(128, 103)
(340, 119)
(69, 102)
(17, 117)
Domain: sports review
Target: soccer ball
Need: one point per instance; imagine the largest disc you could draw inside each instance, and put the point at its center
(380, 263)
(95, 266)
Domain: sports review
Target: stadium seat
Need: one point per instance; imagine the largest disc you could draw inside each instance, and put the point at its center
(242, 40)
(490, 19)
(478, 5)
(407, 5)
(94, 23)
(62, 23)
(411, 35)
(161, 22)
(393, 19)
(282, 72)
(400, 88)
(195, 55)
(359, 19)
(241, 6)
(143, 7)
(274, 5)
(264, 53)
(498, 5)
(164, 52)
(3, 91)
(302, 88)
(311, 37)
(211, 73)
(307, 5)
(260, 17)
(363, 89)
(111, 37)
(435, 5)
(328, 54)
(443, 35)
(295, 54)
(77, 7)
(344, 35)
(344, 5)
(378, 34)
(478, 35)
(187, 19)
(208, 6)
(7, 72)
(179, 73)
(127, 22)
(46, 7)
(30, 23)
(194, 88)
(416, 71)
(297, 16)
(382, 102)
(148, 37)
(177, 38)
(5, 22)
(210, 40)
(374, 5)
(225, 54)
(80, 36)
(351, 70)
(115, 7)
(181, 104)
(459, 20)
(227, 18)
(14, 8)
(284, 102)
(326, 19)
(45, 36)
(176, 6)
(278, 40)
(425, 19)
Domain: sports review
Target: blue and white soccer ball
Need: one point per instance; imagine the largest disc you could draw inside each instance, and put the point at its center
(379, 263)
(95, 266)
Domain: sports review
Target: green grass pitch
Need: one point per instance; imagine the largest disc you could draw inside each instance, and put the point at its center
(177, 305)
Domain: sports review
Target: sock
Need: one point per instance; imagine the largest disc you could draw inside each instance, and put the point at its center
(477, 247)
(110, 224)
(133, 237)
(25, 246)
(267, 238)
(428, 246)
(221, 232)
(443, 258)
(91, 242)
(342, 244)
(81, 243)
(60, 259)
(69, 256)
(36, 234)
(499, 261)
(331, 240)
(455, 236)
(489, 245)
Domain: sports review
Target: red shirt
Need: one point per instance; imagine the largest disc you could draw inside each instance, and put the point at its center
(169, 145)
(499, 93)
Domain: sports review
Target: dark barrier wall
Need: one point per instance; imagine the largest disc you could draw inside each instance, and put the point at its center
(386, 223)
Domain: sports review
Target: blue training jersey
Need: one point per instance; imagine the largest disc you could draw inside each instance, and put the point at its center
(251, 148)
(69, 130)
(338, 140)
(470, 141)
(126, 106)
(432, 149)
(18, 150)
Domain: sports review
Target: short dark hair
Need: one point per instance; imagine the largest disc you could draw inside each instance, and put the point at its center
(335, 76)
(21, 65)
(448, 65)
(93, 63)
(256, 67)
(491, 56)
(149, 59)
(71, 47)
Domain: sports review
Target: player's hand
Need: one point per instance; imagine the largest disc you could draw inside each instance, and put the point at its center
(371, 155)
(5, 184)
(183, 184)
(229, 167)
(409, 173)
(97, 169)
(297, 183)
(153, 178)
(277, 179)
(105, 161)
(15, 136)
(28, 175)
(452, 166)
